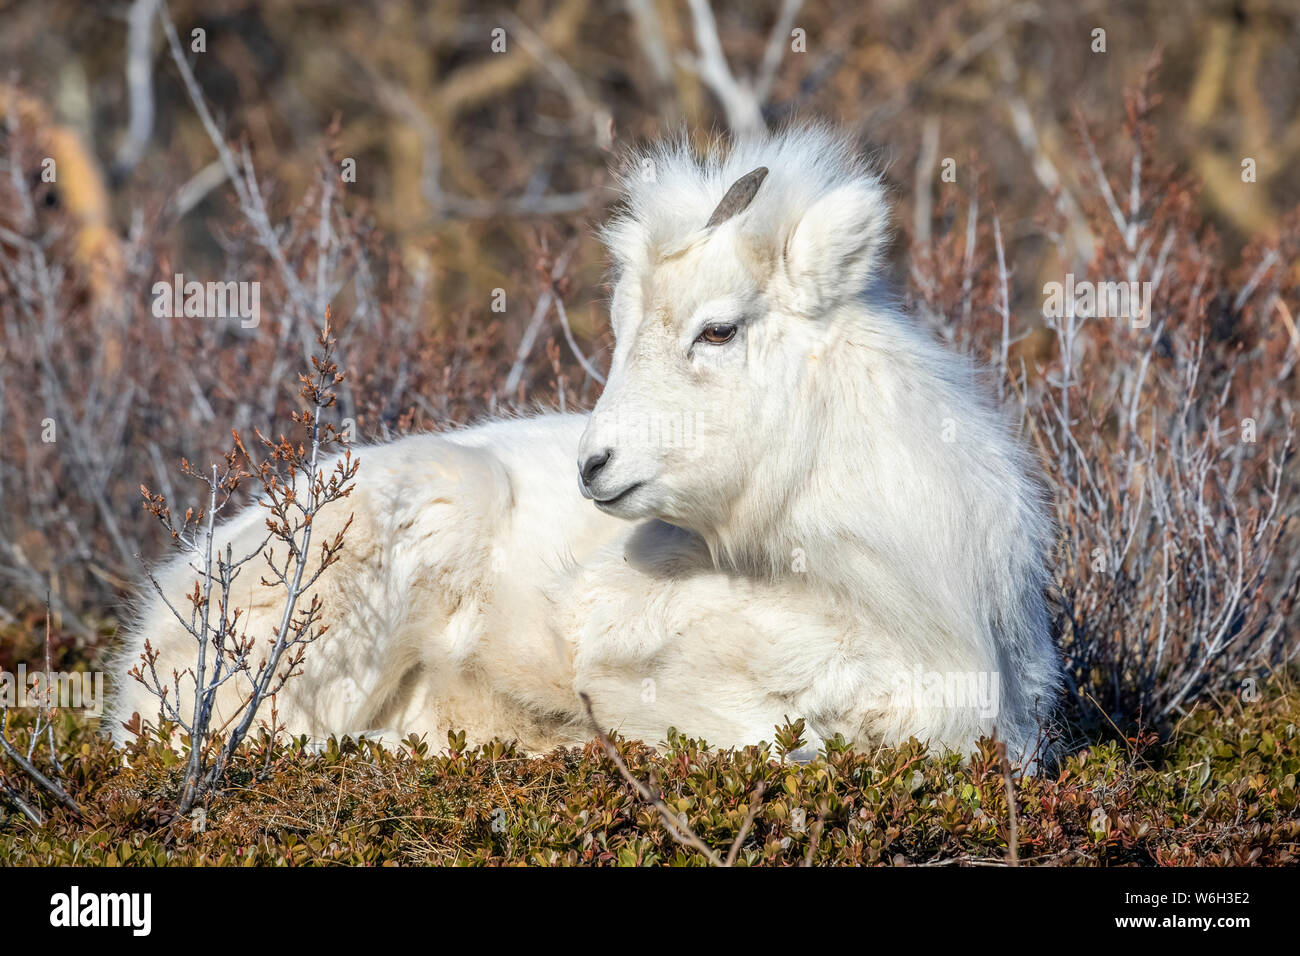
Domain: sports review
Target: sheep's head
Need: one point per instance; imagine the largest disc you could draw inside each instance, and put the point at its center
(720, 309)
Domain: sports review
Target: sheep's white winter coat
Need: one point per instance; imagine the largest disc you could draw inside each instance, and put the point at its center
(790, 501)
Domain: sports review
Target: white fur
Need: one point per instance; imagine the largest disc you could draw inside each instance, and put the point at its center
(822, 511)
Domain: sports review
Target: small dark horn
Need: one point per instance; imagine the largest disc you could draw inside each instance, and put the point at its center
(738, 197)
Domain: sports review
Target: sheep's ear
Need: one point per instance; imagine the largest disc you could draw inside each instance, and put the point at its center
(832, 252)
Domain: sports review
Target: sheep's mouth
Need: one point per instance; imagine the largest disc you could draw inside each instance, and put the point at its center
(608, 502)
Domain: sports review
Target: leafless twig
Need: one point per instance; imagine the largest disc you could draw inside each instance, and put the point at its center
(139, 84)
(677, 828)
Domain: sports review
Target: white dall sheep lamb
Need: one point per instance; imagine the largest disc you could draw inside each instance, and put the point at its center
(790, 501)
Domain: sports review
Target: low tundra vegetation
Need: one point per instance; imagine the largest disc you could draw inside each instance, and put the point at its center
(1221, 790)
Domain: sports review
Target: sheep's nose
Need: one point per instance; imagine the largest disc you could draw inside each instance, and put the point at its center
(591, 467)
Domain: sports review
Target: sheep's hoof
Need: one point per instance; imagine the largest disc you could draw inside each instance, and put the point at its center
(802, 755)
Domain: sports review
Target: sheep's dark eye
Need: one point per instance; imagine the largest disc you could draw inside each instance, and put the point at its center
(719, 334)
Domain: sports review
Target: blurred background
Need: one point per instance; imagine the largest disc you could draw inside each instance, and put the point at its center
(465, 156)
(433, 172)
